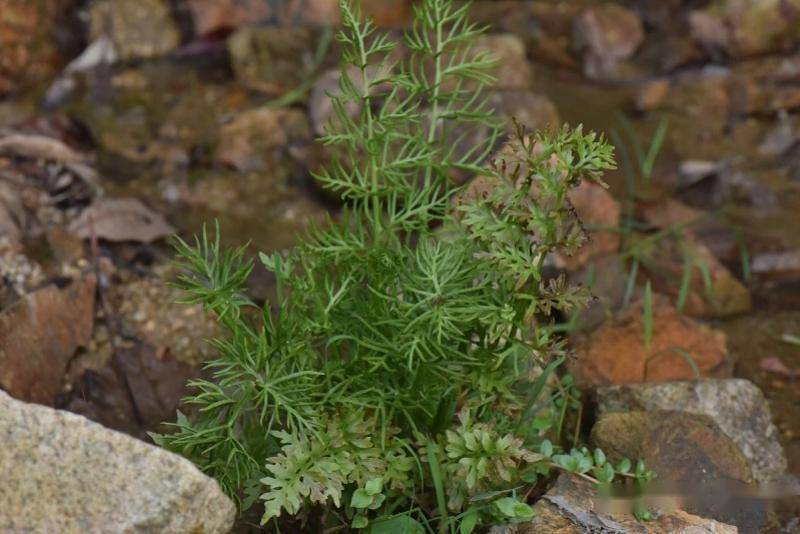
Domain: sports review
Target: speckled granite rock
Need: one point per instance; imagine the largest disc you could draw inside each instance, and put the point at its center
(63, 473)
(737, 406)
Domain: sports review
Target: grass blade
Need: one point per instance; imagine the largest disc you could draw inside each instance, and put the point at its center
(655, 148)
(648, 315)
(686, 280)
(438, 485)
(631, 284)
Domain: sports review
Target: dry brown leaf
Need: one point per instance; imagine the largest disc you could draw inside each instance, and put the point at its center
(39, 146)
(39, 335)
(121, 219)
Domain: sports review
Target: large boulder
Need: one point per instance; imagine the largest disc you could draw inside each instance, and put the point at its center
(737, 406)
(64, 473)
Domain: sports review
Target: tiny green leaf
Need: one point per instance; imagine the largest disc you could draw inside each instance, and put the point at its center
(624, 466)
(469, 521)
(546, 448)
(374, 486)
(599, 457)
(361, 499)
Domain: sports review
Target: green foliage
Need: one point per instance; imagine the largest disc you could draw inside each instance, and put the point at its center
(403, 378)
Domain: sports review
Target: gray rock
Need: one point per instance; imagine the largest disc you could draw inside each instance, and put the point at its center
(737, 406)
(63, 473)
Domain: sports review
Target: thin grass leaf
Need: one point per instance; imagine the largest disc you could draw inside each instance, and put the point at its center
(648, 315)
(689, 359)
(655, 148)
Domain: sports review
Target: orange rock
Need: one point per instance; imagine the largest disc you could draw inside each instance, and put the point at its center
(27, 49)
(616, 353)
(650, 95)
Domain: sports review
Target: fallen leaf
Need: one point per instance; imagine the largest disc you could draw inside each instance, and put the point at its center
(144, 390)
(38, 146)
(775, 365)
(38, 336)
(121, 219)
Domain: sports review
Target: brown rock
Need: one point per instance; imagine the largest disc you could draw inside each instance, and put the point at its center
(571, 507)
(650, 95)
(388, 13)
(776, 265)
(616, 353)
(744, 28)
(213, 16)
(553, 22)
(220, 16)
(736, 405)
(39, 335)
(270, 59)
(680, 447)
(252, 139)
(599, 213)
(689, 453)
(532, 110)
(138, 28)
(709, 31)
(513, 69)
(29, 54)
(607, 34)
(713, 290)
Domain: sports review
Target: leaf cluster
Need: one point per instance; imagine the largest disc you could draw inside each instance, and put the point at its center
(342, 395)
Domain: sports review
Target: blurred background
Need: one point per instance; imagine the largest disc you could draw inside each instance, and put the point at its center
(123, 121)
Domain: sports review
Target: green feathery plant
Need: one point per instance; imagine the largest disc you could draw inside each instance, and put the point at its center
(399, 381)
